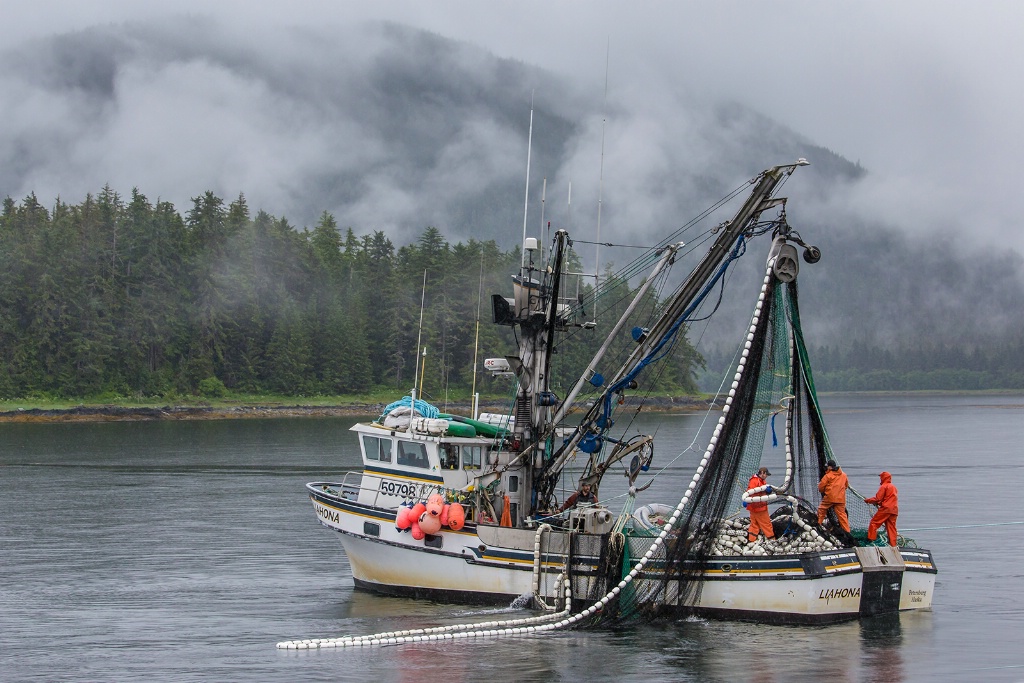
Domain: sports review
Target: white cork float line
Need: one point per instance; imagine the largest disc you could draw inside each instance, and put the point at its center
(452, 632)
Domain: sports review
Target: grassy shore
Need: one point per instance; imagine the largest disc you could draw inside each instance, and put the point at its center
(116, 408)
(368, 405)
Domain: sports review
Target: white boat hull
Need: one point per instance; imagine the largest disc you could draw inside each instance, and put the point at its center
(497, 565)
(404, 570)
(453, 565)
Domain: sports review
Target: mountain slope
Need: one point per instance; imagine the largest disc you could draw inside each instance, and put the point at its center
(388, 127)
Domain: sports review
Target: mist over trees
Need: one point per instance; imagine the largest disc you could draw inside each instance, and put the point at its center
(123, 297)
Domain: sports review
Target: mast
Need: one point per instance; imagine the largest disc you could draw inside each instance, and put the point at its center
(476, 340)
(536, 313)
(536, 309)
(419, 338)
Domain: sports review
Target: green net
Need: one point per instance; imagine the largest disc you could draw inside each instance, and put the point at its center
(773, 419)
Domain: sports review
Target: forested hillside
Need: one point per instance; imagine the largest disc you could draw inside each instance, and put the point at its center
(129, 298)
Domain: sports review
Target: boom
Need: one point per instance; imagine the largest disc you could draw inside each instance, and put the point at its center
(589, 434)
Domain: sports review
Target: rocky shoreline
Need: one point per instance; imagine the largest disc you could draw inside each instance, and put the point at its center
(114, 413)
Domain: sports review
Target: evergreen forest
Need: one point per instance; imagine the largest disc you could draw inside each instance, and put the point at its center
(125, 298)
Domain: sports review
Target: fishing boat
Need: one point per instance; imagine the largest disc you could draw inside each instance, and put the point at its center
(464, 508)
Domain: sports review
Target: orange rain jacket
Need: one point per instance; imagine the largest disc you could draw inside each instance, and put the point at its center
(756, 481)
(886, 498)
(832, 487)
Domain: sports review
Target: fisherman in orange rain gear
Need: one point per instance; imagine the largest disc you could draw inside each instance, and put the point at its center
(759, 519)
(888, 509)
(832, 488)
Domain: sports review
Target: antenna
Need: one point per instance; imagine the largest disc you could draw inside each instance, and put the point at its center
(600, 182)
(423, 367)
(526, 200)
(568, 207)
(543, 228)
(419, 337)
(476, 341)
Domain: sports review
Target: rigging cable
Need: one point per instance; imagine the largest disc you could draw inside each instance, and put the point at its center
(669, 337)
(622, 246)
(634, 265)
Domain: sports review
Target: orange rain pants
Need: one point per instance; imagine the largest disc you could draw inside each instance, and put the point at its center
(759, 521)
(833, 495)
(889, 520)
(840, 508)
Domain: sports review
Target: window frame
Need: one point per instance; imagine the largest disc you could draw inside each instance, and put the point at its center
(409, 459)
(381, 440)
(472, 463)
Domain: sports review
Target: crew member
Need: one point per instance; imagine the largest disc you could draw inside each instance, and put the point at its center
(832, 488)
(585, 496)
(888, 509)
(759, 519)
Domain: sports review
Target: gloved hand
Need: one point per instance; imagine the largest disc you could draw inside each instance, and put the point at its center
(744, 503)
(768, 489)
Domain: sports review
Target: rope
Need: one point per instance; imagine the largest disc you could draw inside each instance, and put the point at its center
(537, 567)
(422, 407)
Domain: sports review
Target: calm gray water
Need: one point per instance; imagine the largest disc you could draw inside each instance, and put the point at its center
(179, 551)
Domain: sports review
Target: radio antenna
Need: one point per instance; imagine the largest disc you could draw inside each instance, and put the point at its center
(600, 182)
(526, 199)
(543, 228)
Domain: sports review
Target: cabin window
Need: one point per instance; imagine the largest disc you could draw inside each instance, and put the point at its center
(433, 541)
(513, 484)
(371, 528)
(472, 457)
(377, 448)
(449, 456)
(413, 455)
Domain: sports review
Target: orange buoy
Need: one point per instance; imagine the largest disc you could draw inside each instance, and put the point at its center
(456, 516)
(444, 514)
(417, 510)
(417, 532)
(404, 518)
(435, 503)
(429, 524)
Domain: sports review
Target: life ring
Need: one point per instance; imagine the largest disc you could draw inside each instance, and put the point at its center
(653, 515)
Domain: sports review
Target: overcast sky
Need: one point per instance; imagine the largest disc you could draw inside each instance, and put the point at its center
(926, 95)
